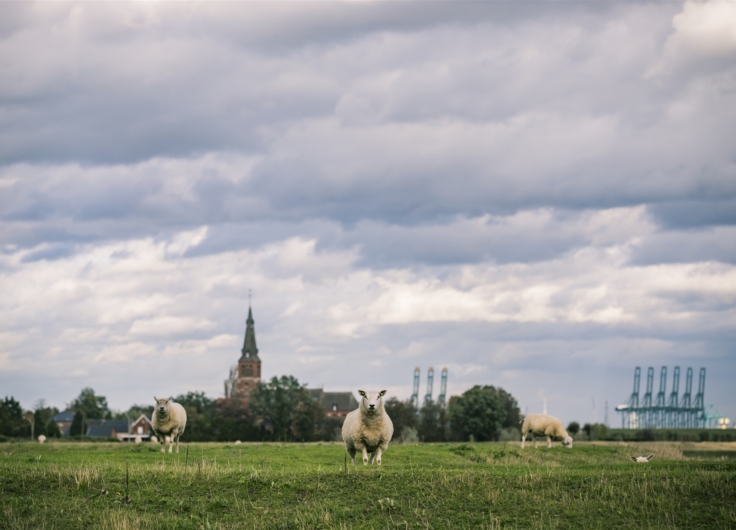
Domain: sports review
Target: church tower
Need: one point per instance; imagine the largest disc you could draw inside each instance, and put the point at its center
(249, 365)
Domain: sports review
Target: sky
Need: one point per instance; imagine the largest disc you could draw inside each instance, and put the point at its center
(539, 196)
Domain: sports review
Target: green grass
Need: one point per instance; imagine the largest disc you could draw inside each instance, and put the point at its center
(60, 485)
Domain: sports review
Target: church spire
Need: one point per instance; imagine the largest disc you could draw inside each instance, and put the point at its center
(250, 350)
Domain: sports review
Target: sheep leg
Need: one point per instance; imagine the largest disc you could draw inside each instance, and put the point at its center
(171, 442)
(178, 435)
(534, 440)
(365, 456)
(549, 442)
(523, 439)
(377, 456)
(372, 458)
(162, 439)
(351, 452)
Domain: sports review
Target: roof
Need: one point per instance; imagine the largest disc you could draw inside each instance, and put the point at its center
(250, 350)
(334, 400)
(64, 416)
(104, 428)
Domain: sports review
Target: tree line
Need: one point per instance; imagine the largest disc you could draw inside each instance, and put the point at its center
(281, 409)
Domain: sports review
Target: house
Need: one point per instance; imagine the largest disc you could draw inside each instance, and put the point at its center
(106, 428)
(335, 404)
(64, 420)
(139, 430)
(123, 430)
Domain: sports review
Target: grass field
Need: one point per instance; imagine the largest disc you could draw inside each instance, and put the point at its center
(490, 485)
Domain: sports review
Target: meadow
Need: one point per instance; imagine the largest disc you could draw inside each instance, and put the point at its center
(482, 485)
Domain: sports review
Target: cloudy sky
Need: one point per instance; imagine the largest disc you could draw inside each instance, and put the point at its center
(536, 195)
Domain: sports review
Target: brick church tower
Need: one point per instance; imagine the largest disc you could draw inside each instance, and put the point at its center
(249, 365)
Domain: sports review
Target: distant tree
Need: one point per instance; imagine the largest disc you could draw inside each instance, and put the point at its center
(511, 406)
(329, 429)
(479, 412)
(285, 410)
(135, 411)
(233, 420)
(200, 414)
(79, 426)
(12, 421)
(432, 422)
(573, 428)
(42, 418)
(402, 414)
(39, 425)
(52, 430)
(92, 407)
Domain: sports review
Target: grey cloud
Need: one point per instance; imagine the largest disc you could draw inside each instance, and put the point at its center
(697, 245)
(695, 213)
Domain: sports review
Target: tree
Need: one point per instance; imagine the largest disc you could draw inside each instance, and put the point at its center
(432, 422)
(39, 425)
(52, 430)
(79, 426)
(12, 421)
(573, 428)
(480, 412)
(91, 407)
(285, 410)
(402, 414)
(200, 413)
(511, 406)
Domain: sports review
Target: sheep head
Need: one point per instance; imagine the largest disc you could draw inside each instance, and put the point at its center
(567, 442)
(163, 406)
(372, 400)
(642, 459)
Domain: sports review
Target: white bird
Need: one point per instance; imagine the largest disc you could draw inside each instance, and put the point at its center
(642, 459)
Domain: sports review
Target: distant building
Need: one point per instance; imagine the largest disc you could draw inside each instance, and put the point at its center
(335, 404)
(246, 375)
(106, 428)
(123, 430)
(249, 364)
(64, 420)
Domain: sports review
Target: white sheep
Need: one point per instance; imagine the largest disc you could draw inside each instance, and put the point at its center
(41, 439)
(543, 425)
(368, 428)
(169, 420)
(642, 459)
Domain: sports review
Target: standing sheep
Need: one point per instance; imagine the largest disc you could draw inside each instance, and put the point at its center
(169, 419)
(368, 429)
(543, 425)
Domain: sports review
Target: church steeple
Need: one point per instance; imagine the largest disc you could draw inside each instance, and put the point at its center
(249, 364)
(250, 350)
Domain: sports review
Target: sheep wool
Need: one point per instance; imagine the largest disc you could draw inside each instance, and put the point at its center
(547, 426)
(368, 429)
(169, 420)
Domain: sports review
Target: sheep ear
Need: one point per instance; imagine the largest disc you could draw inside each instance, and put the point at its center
(362, 393)
(382, 393)
(155, 399)
(170, 398)
(633, 458)
(650, 457)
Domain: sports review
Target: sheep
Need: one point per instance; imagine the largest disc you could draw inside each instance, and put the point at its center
(543, 425)
(169, 420)
(642, 459)
(41, 439)
(368, 428)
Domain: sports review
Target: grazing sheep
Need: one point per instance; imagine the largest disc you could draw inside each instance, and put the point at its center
(41, 439)
(169, 420)
(543, 425)
(368, 428)
(642, 459)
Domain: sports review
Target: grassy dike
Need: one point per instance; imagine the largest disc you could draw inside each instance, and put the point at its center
(83, 485)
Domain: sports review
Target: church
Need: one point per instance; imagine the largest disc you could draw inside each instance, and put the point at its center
(246, 375)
